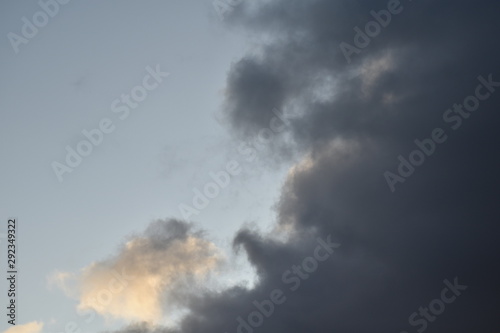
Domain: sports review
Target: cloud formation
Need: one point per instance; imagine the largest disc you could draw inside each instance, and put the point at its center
(350, 122)
(150, 274)
(32, 327)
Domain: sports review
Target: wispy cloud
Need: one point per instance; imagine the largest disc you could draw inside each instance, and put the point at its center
(31, 327)
(147, 276)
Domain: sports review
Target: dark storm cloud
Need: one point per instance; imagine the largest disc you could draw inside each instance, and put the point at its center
(397, 248)
(429, 43)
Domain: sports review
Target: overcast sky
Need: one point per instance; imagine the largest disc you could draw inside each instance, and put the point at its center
(251, 166)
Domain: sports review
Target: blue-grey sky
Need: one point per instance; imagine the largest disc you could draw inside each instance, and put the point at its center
(63, 81)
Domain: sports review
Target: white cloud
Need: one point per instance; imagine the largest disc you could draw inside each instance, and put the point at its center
(32, 327)
(149, 275)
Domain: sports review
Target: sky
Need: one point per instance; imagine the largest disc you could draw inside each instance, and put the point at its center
(250, 166)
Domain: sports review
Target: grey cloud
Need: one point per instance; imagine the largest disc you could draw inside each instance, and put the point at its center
(397, 248)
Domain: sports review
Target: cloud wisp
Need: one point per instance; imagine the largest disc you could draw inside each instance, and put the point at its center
(148, 277)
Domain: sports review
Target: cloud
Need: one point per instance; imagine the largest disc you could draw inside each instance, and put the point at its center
(32, 327)
(150, 274)
(397, 248)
